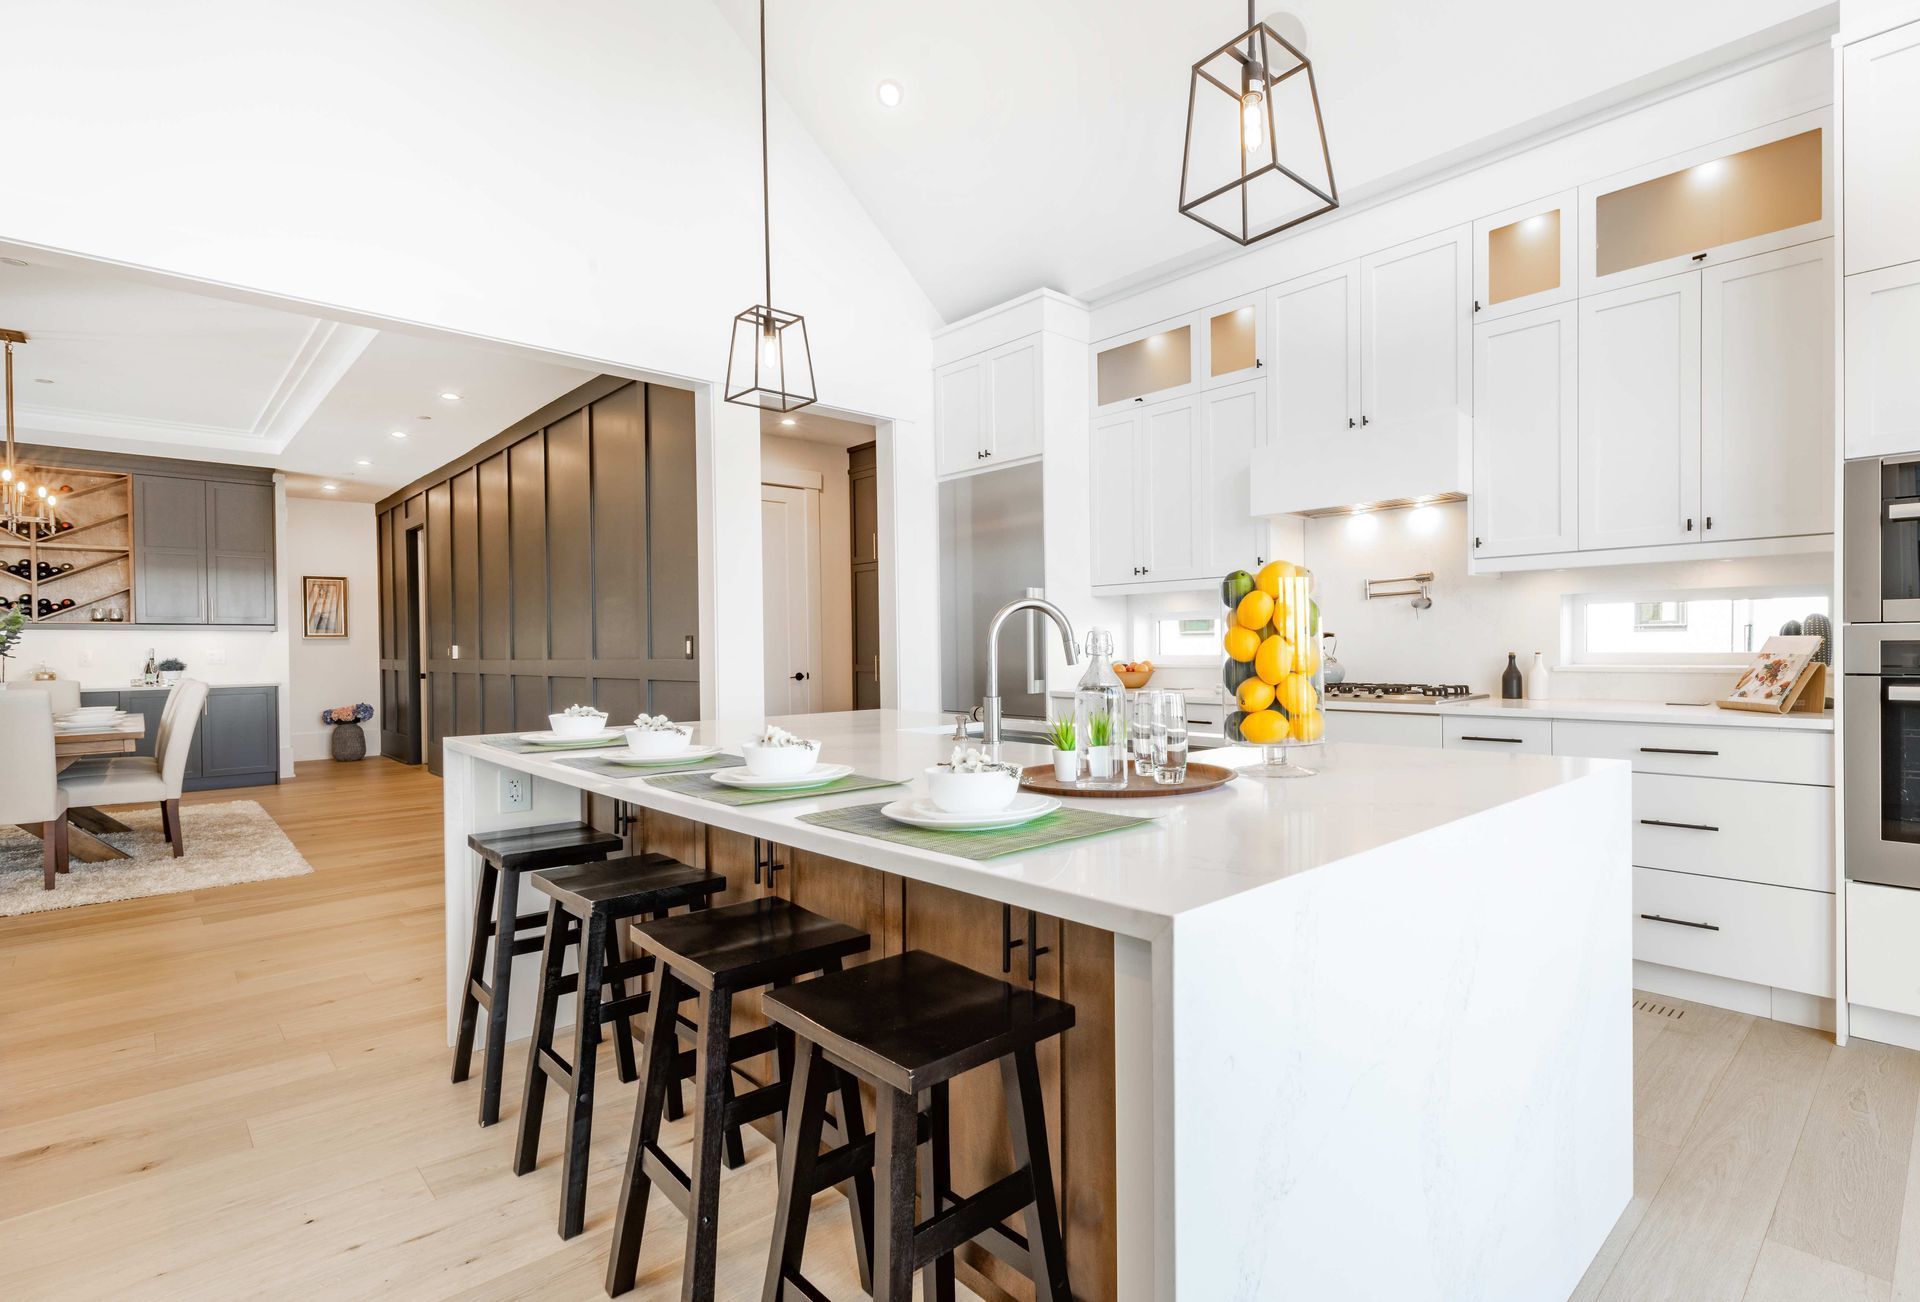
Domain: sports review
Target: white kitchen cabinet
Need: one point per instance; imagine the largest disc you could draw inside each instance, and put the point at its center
(1510, 736)
(1883, 968)
(1766, 395)
(1416, 357)
(1384, 728)
(987, 408)
(1232, 424)
(1146, 366)
(1883, 383)
(1314, 326)
(1745, 195)
(1169, 492)
(1640, 414)
(1881, 85)
(1116, 559)
(1764, 935)
(1526, 257)
(1230, 342)
(1526, 432)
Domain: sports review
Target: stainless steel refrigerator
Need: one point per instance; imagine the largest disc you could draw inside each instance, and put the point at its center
(992, 552)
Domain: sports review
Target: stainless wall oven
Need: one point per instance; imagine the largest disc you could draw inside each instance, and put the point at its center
(1881, 832)
(1880, 515)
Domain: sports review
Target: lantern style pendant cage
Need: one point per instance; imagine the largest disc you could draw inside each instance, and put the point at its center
(1256, 159)
(26, 508)
(769, 364)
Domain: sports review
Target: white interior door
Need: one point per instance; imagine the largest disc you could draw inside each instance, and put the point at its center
(790, 572)
(1766, 394)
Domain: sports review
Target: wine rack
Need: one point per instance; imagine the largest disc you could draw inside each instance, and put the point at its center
(93, 541)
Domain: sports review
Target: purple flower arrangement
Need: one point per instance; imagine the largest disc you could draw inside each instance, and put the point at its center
(347, 713)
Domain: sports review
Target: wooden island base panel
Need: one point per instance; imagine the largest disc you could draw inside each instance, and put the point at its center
(1071, 961)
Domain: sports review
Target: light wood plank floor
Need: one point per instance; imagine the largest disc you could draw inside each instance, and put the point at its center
(243, 1092)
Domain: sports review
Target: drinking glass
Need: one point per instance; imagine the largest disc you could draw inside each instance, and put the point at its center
(1169, 738)
(1140, 729)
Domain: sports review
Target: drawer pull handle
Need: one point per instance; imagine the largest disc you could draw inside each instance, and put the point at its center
(1680, 922)
(1674, 750)
(1515, 741)
(1691, 827)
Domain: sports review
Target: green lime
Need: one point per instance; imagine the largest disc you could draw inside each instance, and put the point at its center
(1235, 586)
(1233, 673)
(1232, 725)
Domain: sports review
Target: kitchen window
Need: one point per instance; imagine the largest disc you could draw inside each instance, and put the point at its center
(1683, 629)
(1189, 637)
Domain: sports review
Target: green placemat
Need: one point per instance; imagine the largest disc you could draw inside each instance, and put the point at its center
(612, 768)
(699, 784)
(1061, 825)
(512, 741)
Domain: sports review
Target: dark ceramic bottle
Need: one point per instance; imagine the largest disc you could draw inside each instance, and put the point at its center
(1510, 680)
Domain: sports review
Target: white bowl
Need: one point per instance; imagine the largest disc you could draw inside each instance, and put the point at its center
(780, 761)
(971, 793)
(577, 725)
(656, 743)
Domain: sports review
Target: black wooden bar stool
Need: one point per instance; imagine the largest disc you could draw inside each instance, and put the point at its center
(710, 956)
(504, 855)
(588, 900)
(905, 1025)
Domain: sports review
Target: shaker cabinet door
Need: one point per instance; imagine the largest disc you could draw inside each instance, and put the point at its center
(1526, 437)
(1116, 551)
(240, 581)
(1882, 87)
(1883, 384)
(1233, 421)
(170, 550)
(1013, 387)
(1168, 475)
(960, 416)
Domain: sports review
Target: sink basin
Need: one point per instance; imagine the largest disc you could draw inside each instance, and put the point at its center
(1021, 730)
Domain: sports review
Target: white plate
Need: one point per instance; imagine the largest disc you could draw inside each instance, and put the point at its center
(818, 775)
(924, 813)
(607, 738)
(686, 756)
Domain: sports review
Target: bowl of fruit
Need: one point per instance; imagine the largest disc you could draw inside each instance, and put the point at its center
(1133, 674)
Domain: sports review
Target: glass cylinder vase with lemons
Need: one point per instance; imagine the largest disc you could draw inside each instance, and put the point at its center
(1273, 666)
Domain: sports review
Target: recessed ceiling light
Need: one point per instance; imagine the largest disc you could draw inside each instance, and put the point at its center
(787, 420)
(14, 262)
(888, 93)
(397, 434)
(363, 462)
(329, 488)
(450, 396)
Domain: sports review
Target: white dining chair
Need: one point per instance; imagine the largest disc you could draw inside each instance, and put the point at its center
(29, 794)
(132, 780)
(63, 693)
(97, 764)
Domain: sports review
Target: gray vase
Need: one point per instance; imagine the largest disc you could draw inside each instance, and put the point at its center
(349, 743)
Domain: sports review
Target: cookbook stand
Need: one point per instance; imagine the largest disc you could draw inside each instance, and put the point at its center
(1784, 678)
(1808, 695)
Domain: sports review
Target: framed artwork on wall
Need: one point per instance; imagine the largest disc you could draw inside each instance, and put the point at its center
(326, 606)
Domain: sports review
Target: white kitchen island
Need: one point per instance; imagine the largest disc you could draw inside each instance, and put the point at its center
(1369, 1031)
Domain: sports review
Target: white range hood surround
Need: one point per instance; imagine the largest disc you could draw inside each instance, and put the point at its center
(1427, 458)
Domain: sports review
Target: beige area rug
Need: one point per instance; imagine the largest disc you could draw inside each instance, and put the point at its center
(228, 843)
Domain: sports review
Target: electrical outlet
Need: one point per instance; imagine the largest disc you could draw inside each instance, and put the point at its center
(86, 659)
(516, 792)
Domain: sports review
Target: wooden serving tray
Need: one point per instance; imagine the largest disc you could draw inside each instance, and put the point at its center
(1200, 777)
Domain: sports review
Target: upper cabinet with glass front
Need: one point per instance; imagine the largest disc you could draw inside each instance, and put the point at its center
(1230, 342)
(1763, 190)
(1146, 366)
(1525, 257)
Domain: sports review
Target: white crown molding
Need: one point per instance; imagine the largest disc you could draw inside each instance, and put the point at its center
(323, 360)
(82, 428)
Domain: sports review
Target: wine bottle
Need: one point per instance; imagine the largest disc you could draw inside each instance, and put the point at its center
(1510, 681)
(66, 603)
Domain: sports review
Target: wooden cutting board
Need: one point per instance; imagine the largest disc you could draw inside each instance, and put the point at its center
(1200, 777)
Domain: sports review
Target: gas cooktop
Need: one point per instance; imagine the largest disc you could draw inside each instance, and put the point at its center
(1403, 693)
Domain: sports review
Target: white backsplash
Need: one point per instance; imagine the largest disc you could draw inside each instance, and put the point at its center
(1474, 622)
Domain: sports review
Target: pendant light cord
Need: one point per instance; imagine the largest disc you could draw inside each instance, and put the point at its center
(9, 404)
(766, 190)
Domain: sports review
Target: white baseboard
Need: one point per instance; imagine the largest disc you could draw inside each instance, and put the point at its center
(1880, 1024)
(1810, 1011)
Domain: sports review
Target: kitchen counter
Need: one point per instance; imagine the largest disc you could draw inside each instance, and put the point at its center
(1308, 1000)
(1603, 712)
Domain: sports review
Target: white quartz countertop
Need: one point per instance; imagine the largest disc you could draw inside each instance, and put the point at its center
(1605, 712)
(1198, 851)
(161, 687)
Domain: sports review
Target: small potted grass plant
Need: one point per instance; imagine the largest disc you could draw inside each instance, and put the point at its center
(1066, 756)
(1101, 747)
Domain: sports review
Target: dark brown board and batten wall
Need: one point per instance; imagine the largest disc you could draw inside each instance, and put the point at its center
(561, 562)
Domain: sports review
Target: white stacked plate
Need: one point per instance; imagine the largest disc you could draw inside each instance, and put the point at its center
(686, 756)
(818, 775)
(559, 742)
(90, 720)
(922, 812)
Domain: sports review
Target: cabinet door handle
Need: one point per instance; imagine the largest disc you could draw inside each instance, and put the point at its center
(1476, 305)
(1709, 522)
(1009, 942)
(1365, 419)
(1689, 524)
(1511, 740)
(689, 646)
(1476, 543)
(1680, 922)
(1350, 422)
(1699, 257)
(1139, 399)
(1691, 827)
(1674, 750)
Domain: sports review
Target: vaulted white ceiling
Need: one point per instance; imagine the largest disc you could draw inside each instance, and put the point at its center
(118, 364)
(1039, 143)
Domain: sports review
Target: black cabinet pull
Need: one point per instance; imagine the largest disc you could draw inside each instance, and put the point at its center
(1350, 422)
(1699, 257)
(1689, 524)
(1691, 827)
(765, 858)
(1709, 522)
(1674, 750)
(1009, 942)
(1364, 420)
(1680, 922)
(1511, 740)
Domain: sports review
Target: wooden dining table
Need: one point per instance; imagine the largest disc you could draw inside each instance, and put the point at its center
(85, 824)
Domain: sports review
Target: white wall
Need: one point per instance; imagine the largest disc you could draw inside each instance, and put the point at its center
(332, 538)
(801, 463)
(580, 180)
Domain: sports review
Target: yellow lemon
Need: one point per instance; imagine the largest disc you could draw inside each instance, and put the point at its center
(1272, 659)
(1264, 728)
(1268, 580)
(1255, 609)
(1254, 695)
(1309, 725)
(1296, 695)
(1306, 659)
(1242, 644)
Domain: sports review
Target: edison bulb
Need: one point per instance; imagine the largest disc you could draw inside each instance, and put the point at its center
(6, 475)
(40, 491)
(1253, 124)
(770, 349)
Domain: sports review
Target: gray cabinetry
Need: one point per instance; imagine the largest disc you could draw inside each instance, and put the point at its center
(203, 551)
(236, 742)
(239, 553)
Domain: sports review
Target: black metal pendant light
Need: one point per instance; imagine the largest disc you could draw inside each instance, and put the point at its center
(1233, 179)
(768, 363)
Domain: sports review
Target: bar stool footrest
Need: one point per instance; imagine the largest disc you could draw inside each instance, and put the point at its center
(970, 1217)
(668, 1177)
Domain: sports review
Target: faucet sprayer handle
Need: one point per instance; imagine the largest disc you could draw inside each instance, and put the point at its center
(959, 726)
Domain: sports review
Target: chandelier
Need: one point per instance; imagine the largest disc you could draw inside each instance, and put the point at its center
(1250, 169)
(768, 362)
(26, 508)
